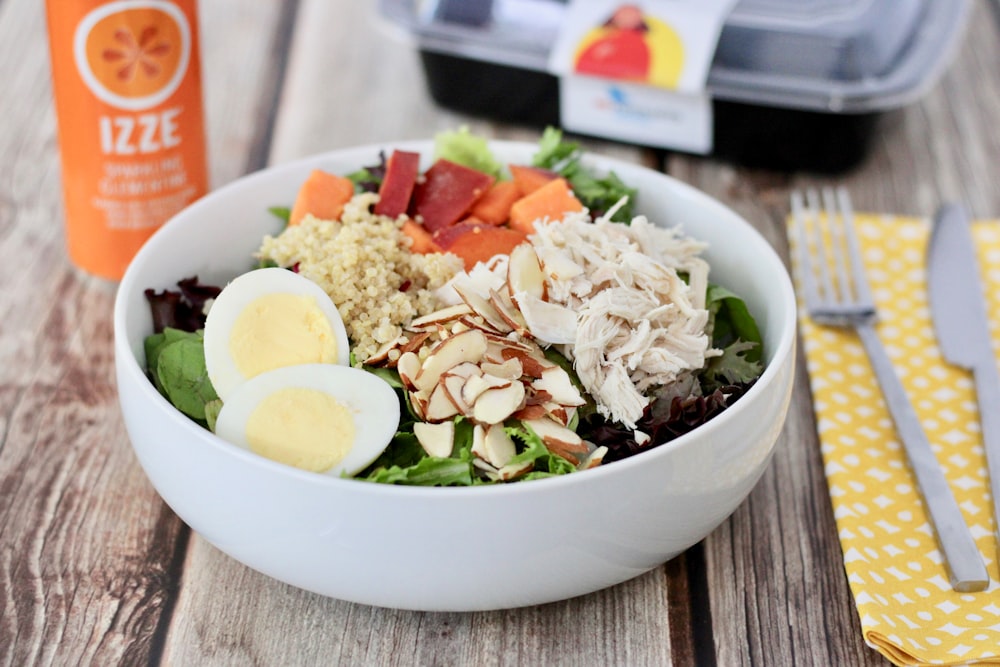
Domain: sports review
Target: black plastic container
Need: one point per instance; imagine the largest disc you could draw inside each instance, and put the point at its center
(796, 85)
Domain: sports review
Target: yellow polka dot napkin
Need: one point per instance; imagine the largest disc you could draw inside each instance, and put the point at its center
(907, 608)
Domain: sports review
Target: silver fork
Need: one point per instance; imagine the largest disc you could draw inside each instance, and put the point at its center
(836, 293)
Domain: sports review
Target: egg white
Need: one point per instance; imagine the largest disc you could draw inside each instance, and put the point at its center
(372, 403)
(223, 372)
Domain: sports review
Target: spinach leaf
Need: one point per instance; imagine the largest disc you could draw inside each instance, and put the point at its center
(176, 360)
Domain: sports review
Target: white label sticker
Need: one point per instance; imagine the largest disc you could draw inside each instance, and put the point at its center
(636, 113)
(637, 71)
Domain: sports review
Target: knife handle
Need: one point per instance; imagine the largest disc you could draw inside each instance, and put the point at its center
(966, 569)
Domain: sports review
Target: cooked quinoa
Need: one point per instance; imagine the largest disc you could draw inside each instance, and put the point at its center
(364, 263)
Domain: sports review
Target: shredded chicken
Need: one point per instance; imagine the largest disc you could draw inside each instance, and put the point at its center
(639, 325)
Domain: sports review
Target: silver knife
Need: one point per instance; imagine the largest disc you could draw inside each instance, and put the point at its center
(958, 309)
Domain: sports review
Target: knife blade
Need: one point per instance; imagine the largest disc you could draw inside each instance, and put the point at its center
(961, 324)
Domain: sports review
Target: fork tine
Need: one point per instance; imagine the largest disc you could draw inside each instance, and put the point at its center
(862, 290)
(807, 272)
(829, 295)
(836, 223)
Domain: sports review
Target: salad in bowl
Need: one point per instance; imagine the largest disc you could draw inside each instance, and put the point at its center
(472, 322)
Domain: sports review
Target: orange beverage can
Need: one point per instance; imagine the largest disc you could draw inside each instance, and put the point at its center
(127, 85)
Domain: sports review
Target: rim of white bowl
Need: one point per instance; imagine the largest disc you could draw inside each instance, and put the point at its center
(761, 250)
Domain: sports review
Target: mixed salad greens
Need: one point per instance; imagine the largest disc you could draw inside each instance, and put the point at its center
(176, 364)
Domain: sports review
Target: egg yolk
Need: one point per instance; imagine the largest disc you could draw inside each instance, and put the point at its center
(277, 330)
(305, 428)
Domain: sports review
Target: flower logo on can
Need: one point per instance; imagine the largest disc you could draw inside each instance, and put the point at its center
(133, 54)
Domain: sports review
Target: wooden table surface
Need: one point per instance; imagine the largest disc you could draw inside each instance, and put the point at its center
(96, 570)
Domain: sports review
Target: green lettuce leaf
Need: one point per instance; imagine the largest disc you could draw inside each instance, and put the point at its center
(544, 463)
(734, 366)
(467, 149)
(405, 462)
(428, 471)
(730, 320)
(282, 213)
(735, 332)
(597, 194)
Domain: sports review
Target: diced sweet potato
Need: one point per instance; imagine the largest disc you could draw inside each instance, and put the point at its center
(397, 187)
(478, 243)
(446, 194)
(494, 206)
(528, 178)
(423, 243)
(553, 200)
(323, 195)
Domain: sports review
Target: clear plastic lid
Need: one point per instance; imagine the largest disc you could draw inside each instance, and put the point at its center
(849, 56)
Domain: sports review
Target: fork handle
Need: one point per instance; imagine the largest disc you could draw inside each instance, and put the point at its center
(964, 562)
(987, 377)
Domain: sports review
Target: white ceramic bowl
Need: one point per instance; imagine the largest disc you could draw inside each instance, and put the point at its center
(451, 548)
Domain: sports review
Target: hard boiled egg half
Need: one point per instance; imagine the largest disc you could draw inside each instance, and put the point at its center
(319, 417)
(267, 319)
(277, 353)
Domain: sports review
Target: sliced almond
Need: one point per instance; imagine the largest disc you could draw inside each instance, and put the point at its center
(440, 331)
(513, 341)
(476, 322)
(515, 470)
(548, 322)
(464, 370)
(490, 472)
(414, 342)
(524, 272)
(476, 385)
(558, 439)
(437, 439)
(535, 411)
(479, 441)
(532, 365)
(498, 445)
(493, 406)
(508, 312)
(494, 353)
(510, 369)
(536, 397)
(444, 315)
(462, 325)
(546, 429)
(408, 366)
(557, 383)
(418, 401)
(468, 346)
(381, 357)
(440, 407)
(453, 385)
(483, 308)
(559, 413)
(559, 449)
(594, 459)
